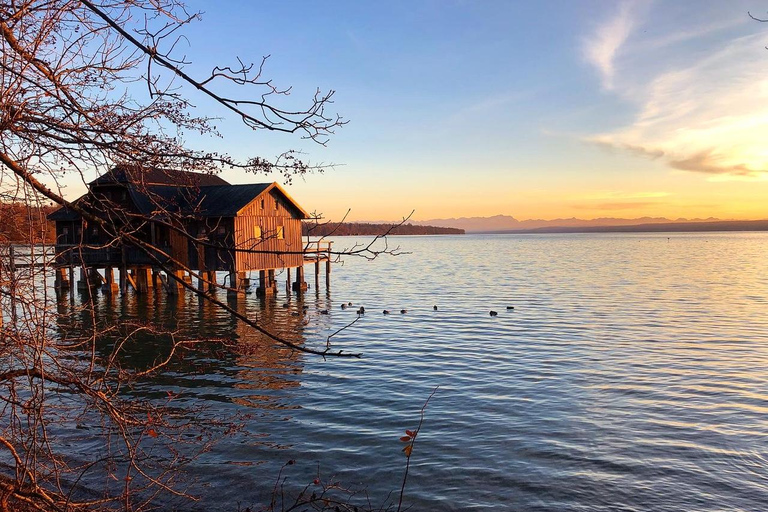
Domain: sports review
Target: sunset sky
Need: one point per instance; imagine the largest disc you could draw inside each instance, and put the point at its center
(531, 109)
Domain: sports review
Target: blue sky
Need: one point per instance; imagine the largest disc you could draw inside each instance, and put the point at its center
(531, 109)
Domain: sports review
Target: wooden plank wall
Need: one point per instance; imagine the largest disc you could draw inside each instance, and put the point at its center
(268, 212)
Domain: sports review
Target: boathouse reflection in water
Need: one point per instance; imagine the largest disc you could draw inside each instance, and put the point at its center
(227, 353)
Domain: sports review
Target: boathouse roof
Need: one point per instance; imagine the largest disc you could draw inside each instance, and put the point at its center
(125, 174)
(167, 192)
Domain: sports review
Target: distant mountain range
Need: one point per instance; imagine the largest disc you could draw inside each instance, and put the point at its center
(507, 223)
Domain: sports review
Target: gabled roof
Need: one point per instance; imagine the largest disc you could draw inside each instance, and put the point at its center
(203, 201)
(228, 200)
(63, 214)
(126, 174)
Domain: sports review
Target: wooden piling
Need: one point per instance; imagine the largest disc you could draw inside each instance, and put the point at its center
(82, 282)
(123, 271)
(61, 282)
(143, 279)
(300, 285)
(236, 288)
(174, 285)
(262, 282)
(109, 281)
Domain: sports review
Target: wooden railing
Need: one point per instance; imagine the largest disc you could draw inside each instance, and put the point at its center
(317, 250)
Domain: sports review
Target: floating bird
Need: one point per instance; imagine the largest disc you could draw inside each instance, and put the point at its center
(305, 307)
(493, 313)
(295, 313)
(324, 312)
(510, 307)
(361, 311)
(386, 311)
(403, 311)
(349, 303)
(343, 306)
(434, 307)
(286, 305)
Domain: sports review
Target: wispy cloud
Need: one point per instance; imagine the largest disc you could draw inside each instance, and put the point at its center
(602, 47)
(710, 117)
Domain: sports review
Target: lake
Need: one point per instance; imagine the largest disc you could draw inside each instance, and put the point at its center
(631, 375)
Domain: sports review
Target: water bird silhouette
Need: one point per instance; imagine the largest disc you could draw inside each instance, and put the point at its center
(361, 311)
(434, 307)
(403, 311)
(386, 312)
(493, 313)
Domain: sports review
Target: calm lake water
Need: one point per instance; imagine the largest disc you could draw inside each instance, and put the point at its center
(632, 375)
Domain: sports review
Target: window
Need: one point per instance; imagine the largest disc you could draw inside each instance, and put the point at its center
(280, 232)
(262, 203)
(257, 232)
(64, 231)
(276, 205)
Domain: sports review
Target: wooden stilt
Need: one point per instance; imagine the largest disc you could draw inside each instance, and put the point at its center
(235, 284)
(202, 277)
(123, 272)
(212, 281)
(174, 286)
(61, 281)
(82, 283)
(143, 279)
(300, 285)
(262, 282)
(109, 281)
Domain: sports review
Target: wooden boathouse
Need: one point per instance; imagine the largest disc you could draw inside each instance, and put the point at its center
(187, 222)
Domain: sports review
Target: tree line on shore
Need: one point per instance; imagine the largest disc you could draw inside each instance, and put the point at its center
(370, 229)
(24, 223)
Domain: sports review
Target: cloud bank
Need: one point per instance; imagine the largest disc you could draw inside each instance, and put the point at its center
(709, 116)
